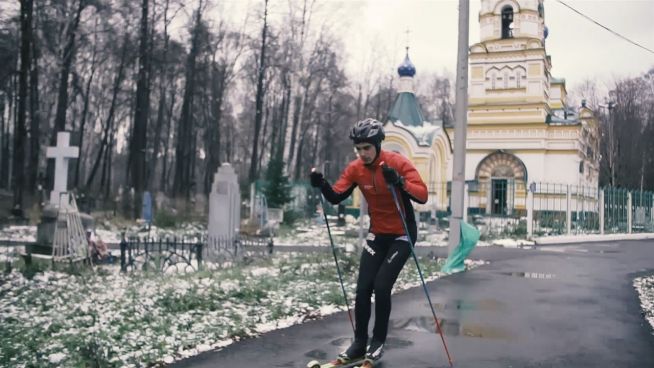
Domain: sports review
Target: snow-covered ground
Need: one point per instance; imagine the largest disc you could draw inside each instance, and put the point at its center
(60, 319)
(127, 320)
(314, 232)
(645, 288)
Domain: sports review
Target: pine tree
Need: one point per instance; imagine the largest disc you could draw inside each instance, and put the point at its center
(278, 189)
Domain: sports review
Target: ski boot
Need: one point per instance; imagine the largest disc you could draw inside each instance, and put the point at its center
(374, 353)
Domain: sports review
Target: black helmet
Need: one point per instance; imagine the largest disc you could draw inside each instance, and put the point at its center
(368, 130)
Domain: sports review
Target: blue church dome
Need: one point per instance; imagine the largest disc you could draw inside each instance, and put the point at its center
(406, 69)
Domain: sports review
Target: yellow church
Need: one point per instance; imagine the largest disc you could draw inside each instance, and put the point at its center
(520, 130)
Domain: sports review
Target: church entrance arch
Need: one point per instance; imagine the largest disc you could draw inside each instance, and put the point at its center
(499, 172)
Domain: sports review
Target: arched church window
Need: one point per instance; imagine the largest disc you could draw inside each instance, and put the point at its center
(506, 79)
(507, 22)
(493, 77)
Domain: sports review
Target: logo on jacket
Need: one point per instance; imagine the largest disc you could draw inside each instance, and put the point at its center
(368, 249)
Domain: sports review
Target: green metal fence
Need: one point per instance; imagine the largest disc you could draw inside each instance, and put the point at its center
(616, 204)
(506, 207)
(642, 211)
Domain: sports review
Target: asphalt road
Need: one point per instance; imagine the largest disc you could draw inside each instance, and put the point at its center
(551, 306)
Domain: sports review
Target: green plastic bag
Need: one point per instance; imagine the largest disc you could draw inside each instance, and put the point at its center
(469, 238)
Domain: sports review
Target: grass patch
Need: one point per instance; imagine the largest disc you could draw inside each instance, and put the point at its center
(107, 319)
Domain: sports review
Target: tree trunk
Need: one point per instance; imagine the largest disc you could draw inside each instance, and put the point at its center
(298, 161)
(297, 108)
(186, 129)
(68, 55)
(218, 82)
(4, 146)
(162, 102)
(35, 119)
(106, 182)
(6, 152)
(259, 97)
(20, 132)
(316, 144)
(164, 170)
(138, 141)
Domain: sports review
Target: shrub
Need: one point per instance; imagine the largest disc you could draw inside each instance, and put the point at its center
(165, 218)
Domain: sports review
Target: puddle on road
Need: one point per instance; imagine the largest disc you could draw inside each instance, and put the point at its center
(465, 305)
(317, 354)
(530, 275)
(449, 327)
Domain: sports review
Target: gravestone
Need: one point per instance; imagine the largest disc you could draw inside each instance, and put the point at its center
(61, 153)
(146, 211)
(224, 212)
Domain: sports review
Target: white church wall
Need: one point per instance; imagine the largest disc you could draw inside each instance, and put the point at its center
(472, 161)
(528, 28)
(562, 168)
(477, 89)
(535, 164)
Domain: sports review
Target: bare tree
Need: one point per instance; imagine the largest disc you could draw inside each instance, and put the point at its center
(184, 152)
(35, 114)
(26, 7)
(67, 61)
(107, 131)
(261, 71)
(138, 141)
(85, 110)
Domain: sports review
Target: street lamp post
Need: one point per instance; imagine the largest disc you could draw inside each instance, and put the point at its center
(610, 143)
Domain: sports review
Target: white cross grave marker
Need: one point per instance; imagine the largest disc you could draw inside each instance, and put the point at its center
(62, 152)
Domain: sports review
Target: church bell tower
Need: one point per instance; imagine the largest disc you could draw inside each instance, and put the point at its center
(509, 66)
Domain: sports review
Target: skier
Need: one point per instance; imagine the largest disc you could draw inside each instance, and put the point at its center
(387, 247)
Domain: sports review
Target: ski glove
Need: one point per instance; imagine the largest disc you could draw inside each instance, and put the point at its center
(392, 177)
(316, 179)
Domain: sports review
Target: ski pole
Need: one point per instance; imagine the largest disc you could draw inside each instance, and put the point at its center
(422, 279)
(338, 268)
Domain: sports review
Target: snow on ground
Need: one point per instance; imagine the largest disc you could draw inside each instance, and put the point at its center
(645, 288)
(114, 306)
(128, 320)
(18, 233)
(314, 233)
(311, 232)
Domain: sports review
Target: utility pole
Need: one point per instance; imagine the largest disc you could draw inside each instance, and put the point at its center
(461, 121)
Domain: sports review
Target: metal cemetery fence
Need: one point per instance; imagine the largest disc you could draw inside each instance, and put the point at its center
(160, 255)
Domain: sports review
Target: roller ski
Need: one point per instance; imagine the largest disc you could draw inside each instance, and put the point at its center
(337, 363)
(354, 356)
(374, 354)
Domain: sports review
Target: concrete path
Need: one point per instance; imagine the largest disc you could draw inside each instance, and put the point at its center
(552, 306)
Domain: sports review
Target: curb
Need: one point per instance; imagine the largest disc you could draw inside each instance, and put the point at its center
(567, 239)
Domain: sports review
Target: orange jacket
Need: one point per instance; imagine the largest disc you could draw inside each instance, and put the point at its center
(384, 218)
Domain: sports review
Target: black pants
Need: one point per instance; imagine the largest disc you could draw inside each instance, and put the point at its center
(381, 262)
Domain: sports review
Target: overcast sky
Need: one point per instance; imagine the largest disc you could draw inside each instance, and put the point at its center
(579, 48)
(376, 29)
